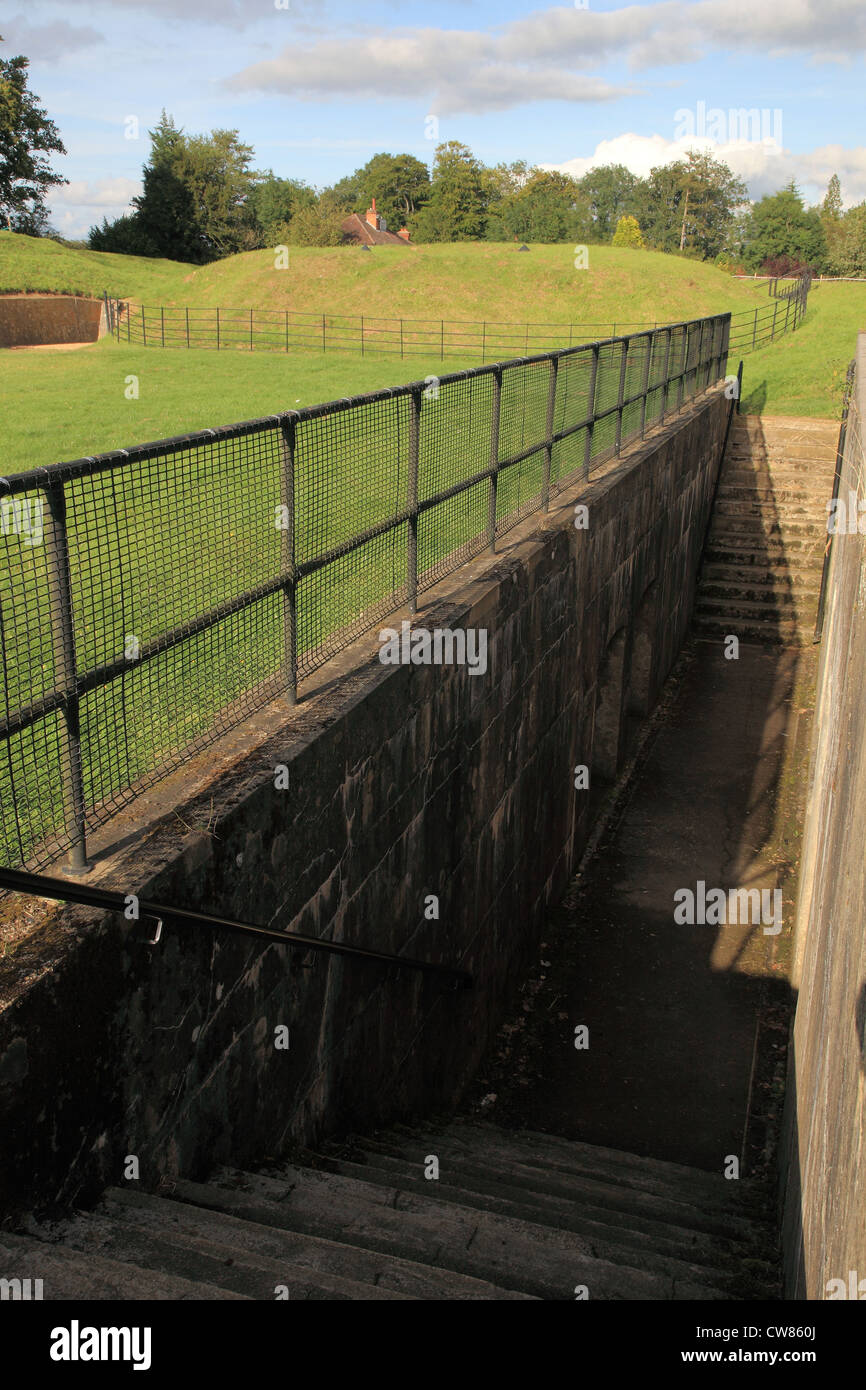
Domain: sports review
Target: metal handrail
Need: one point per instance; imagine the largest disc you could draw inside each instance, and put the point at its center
(40, 886)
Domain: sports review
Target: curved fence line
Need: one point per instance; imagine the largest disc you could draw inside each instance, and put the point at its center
(286, 330)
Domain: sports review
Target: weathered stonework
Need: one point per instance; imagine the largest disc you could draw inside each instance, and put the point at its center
(403, 782)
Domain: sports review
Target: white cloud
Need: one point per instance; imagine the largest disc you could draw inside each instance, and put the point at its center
(80, 204)
(459, 70)
(99, 193)
(763, 167)
(45, 42)
(547, 54)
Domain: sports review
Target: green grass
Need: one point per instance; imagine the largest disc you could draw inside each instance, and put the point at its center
(803, 374)
(155, 543)
(483, 281)
(60, 404)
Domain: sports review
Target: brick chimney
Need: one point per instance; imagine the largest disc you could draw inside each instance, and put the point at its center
(372, 218)
(404, 233)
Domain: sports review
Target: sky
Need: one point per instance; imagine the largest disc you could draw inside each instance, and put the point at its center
(318, 86)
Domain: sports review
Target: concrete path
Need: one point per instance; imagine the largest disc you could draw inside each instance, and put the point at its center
(683, 1038)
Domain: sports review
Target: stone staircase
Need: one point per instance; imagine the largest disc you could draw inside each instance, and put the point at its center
(512, 1215)
(762, 565)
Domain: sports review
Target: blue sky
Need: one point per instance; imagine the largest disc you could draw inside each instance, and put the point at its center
(318, 86)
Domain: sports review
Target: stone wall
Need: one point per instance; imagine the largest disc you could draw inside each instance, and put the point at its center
(403, 783)
(824, 1183)
(30, 320)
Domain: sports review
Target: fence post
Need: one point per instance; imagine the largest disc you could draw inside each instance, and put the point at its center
(590, 410)
(187, 327)
(412, 499)
(162, 323)
(362, 335)
(288, 431)
(484, 340)
(218, 329)
(549, 424)
(755, 330)
(128, 322)
(495, 417)
(681, 384)
(621, 393)
(650, 345)
(251, 330)
(401, 338)
(63, 645)
(668, 332)
(143, 327)
(442, 341)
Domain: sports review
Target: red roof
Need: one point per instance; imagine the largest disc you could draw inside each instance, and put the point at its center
(360, 232)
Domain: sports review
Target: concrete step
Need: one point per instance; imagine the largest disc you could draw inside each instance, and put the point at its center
(736, 597)
(758, 528)
(510, 1252)
(661, 1249)
(788, 556)
(805, 581)
(549, 1155)
(253, 1260)
(791, 514)
(67, 1274)
(767, 610)
(781, 633)
(771, 495)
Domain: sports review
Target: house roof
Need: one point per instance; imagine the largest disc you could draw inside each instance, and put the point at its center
(357, 230)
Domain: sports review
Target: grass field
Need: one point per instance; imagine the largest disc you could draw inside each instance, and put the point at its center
(153, 545)
(464, 281)
(160, 541)
(803, 374)
(60, 404)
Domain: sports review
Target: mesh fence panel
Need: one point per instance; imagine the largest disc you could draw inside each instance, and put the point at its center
(152, 598)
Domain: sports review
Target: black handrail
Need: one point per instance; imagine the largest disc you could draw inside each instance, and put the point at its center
(40, 886)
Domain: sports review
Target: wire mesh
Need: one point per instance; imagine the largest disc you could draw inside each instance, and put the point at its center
(152, 598)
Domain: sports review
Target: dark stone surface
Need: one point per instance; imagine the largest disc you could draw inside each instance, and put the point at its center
(403, 782)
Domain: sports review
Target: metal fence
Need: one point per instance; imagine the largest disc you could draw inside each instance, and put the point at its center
(285, 330)
(154, 596)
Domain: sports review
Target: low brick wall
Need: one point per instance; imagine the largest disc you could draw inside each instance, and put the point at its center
(403, 782)
(824, 1180)
(32, 320)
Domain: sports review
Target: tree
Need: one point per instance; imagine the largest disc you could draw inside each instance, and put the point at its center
(459, 196)
(535, 205)
(846, 243)
(831, 208)
(320, 223)
(273, 202)
(781, 225)
(27, 137)
(691, 205)
(628, 233)
(611, 192)
(196, 201)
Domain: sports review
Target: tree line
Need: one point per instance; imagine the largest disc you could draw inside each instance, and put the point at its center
(202, 200)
